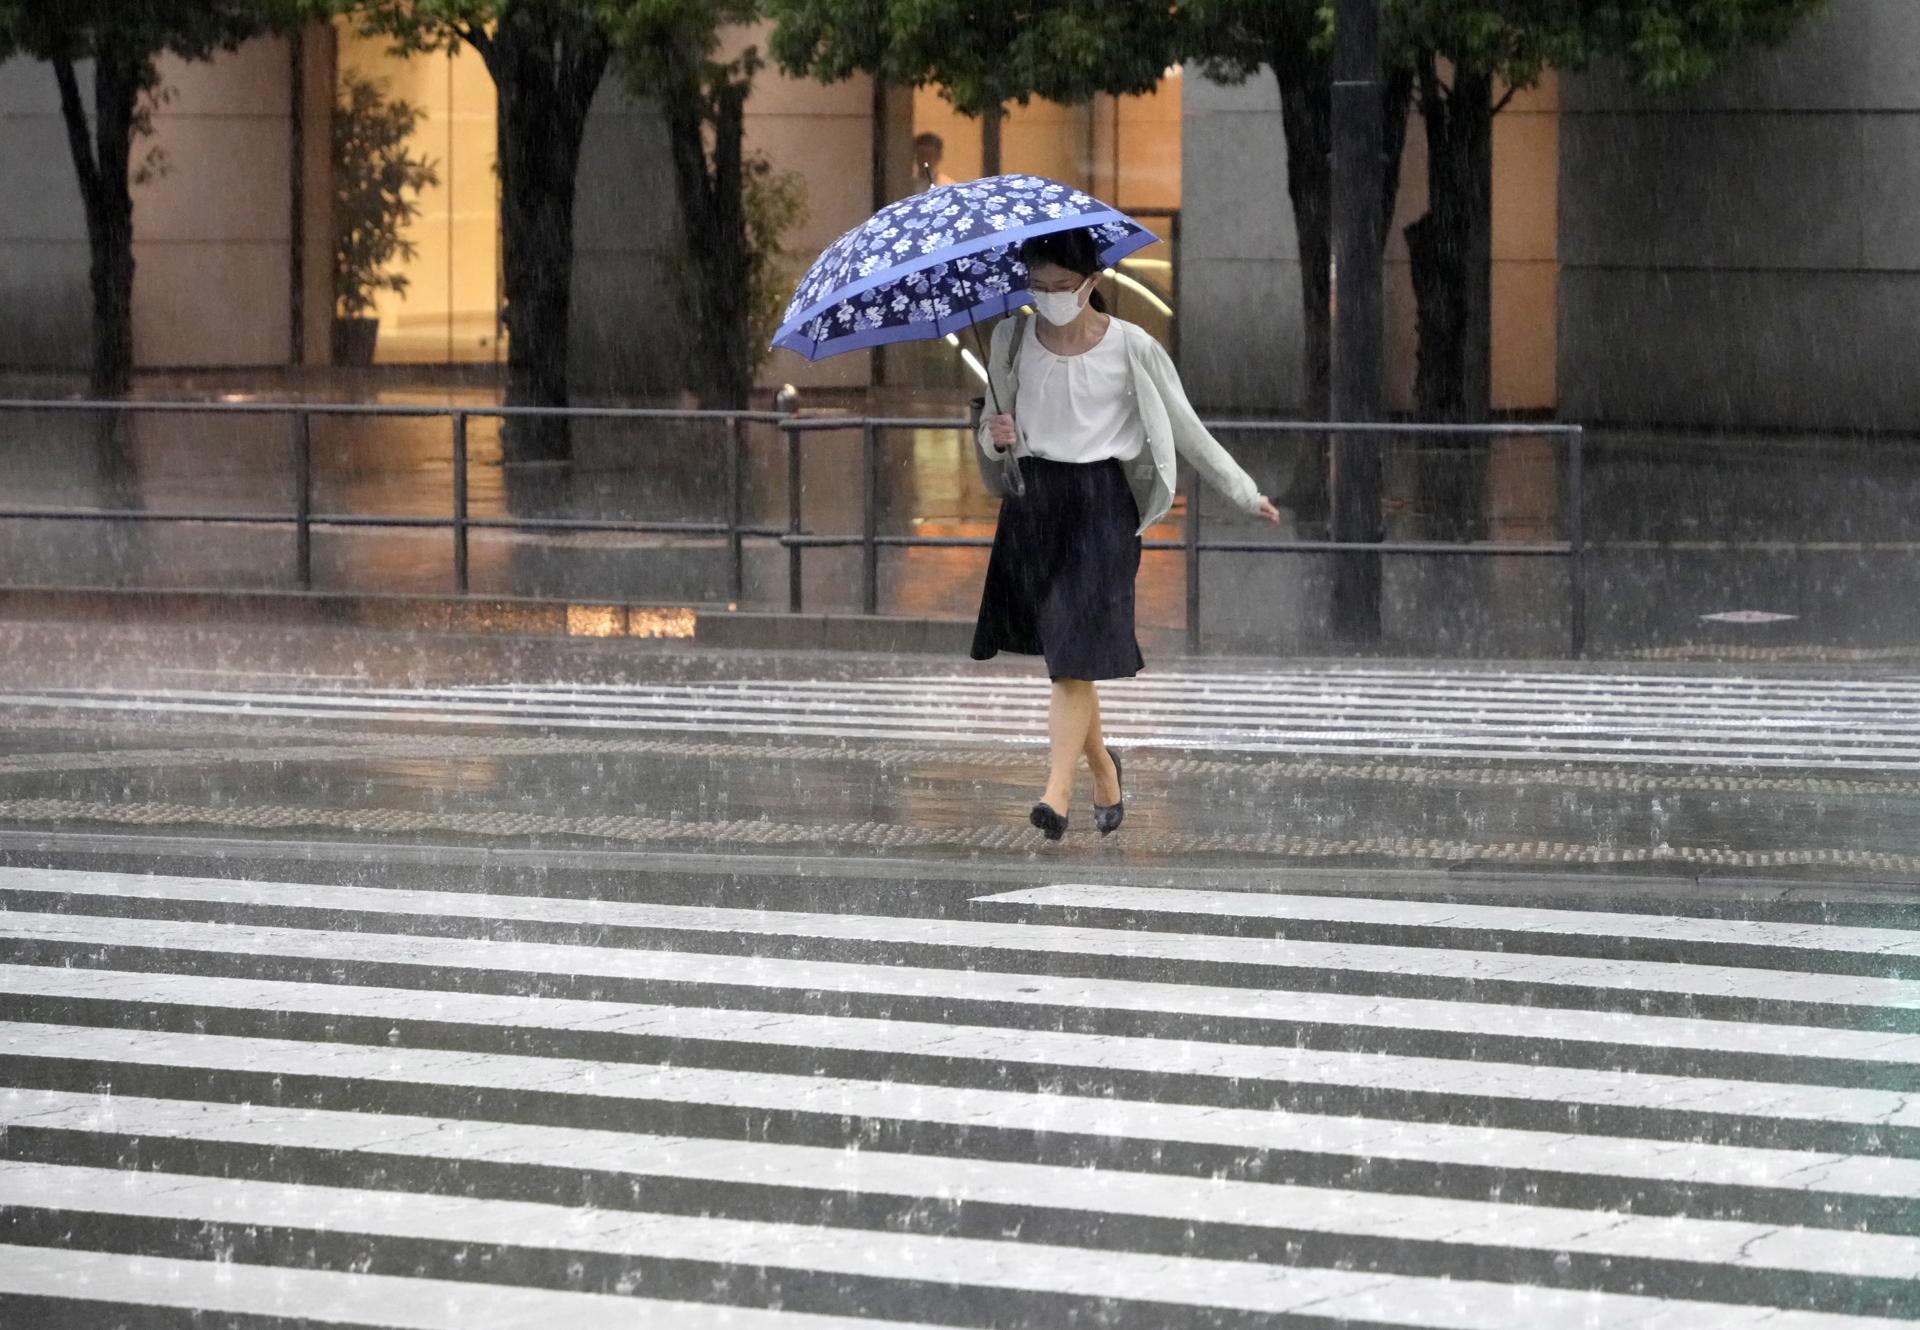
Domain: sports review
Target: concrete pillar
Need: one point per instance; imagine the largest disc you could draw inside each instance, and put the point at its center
(1241, 336)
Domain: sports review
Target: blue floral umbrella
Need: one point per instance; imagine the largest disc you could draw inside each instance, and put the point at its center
(939, 261)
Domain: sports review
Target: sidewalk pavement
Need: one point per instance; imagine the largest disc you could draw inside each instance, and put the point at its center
(239, 742)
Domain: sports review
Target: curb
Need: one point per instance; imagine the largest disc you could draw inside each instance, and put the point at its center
(488, 615)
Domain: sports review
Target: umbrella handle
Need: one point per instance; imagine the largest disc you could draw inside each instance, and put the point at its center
(986, 361)
(1015, 486)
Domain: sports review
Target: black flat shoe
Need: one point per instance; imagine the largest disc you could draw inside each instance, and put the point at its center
(1108, 817)
(1053, 824)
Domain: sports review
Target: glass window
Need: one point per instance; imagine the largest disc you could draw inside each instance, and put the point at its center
(450, 312)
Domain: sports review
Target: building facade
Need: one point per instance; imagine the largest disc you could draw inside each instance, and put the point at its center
(1746, 257)
(1751, 256)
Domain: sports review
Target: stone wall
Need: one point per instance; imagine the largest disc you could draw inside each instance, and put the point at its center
(212, 231)
(1240, 321)
(1750, 255)
(43, 231)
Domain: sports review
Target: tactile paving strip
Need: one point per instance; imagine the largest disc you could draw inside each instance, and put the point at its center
(365, 746)
(737, 834)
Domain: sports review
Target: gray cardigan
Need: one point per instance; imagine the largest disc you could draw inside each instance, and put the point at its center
(1173, 430)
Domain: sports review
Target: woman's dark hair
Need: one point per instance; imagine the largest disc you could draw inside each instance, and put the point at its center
(1075, 250)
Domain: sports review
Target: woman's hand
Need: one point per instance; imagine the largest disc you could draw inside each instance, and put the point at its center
(1268, 513)
(1000, 430)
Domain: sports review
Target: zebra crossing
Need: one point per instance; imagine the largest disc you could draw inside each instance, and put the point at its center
(1638, 718)
(398, 1103)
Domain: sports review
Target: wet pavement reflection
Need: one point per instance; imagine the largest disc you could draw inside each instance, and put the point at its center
(1815, 530)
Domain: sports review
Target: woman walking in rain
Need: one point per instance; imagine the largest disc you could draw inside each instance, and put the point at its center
(1092, 411)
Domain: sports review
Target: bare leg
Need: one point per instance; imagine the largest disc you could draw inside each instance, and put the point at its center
(1106, 780)
(1067, 717)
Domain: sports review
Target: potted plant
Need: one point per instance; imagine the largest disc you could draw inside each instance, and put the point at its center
(376, 187)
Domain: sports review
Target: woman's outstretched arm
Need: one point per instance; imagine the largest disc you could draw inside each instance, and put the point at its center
(1193, 442)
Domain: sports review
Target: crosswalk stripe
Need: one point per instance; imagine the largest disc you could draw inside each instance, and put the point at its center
(1691, 1163)
(386, 1302)
(1198, 698)
(1857, 994)
(1083, 1273)
(1541, 1116)
(1015, 710)
(1529, 682)
(1515, 680)
(1526, 922)
(1698, 721)
(1240, 1071)
(1211, 710)
(1547, 1028)
(1833, 691)
(960, 1181)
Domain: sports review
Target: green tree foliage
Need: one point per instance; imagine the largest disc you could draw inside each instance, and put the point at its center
(981, 54)
(1460, 58)
(122, 41)
(776, 202)
(376, 184)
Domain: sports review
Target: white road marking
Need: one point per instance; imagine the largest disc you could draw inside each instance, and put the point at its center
(390, 1302)
(971, 1263)
(1549, 1026)
(1430, 1219)
(1653, 719)
(1505, 919)
(1385, 1074)
(1381, 1177)
(1693, 1163)
(1722, 981)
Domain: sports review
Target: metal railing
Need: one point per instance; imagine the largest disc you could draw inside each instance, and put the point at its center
(793, 535)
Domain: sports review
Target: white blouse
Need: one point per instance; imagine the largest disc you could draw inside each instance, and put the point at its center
(1079, 408)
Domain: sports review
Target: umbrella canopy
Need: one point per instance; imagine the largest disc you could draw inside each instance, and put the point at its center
(940, 260)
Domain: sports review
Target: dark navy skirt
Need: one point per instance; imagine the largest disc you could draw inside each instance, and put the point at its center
(1060, 579)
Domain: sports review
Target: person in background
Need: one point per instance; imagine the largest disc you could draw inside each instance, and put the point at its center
(928, 149)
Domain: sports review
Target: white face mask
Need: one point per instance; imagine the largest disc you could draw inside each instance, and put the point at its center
(1060, 307)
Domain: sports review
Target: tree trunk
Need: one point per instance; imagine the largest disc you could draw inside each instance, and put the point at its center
(728, 254)
(545, 72)
(1306, 117)
(713, 212)
(1452, 248)
(102, 159)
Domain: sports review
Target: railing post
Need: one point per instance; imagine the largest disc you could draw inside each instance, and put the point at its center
(1193, 563)
(302, 501)
(1577, 544)
(870, 520)
(736, 505)
(794, 595)
(460, 502)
